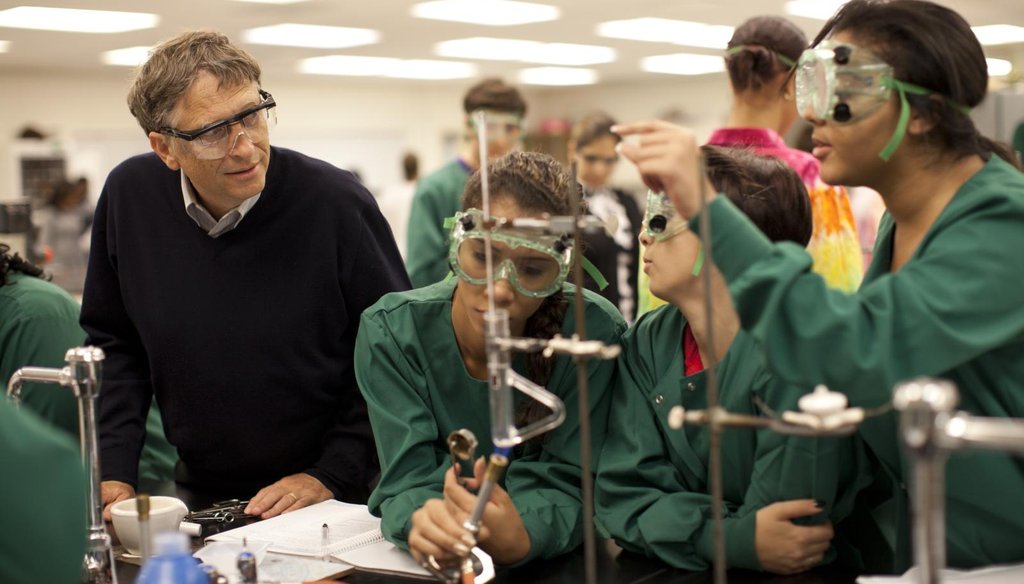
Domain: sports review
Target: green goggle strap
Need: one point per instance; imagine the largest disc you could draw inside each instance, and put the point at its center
(588, 266)
(789, 63)
(699, 263)
(901, 125)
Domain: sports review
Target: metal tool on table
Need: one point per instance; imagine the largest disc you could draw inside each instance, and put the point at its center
(82, 374)
(218, 517)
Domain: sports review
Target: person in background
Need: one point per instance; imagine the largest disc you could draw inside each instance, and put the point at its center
(653, 493)
(437, 195)
(395, 202)
(422, 365)
(38, 324)
(760, 57)
(226, 279)
(942, 295)
(64, 233)
(614, 251)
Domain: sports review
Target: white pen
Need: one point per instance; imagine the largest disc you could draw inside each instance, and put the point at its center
(325, 541)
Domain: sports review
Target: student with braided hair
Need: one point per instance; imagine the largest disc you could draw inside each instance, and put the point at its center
(421, 364)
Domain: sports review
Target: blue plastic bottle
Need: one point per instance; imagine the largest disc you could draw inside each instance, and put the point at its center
(172, 562)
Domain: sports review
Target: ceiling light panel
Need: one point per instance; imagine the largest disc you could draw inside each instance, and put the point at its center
(665, 30)
(816, 9)
(999, 34)
(271, 1)
(74, 20)
(127, 57)
(5, 46)
(311, 36)
(486, 12)
(494, 49)
(683, 64)
(560, 76)
(358, 66)
(998, 67)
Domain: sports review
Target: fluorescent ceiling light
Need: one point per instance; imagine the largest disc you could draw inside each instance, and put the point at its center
(487, 12)
(816, 9)
(73, 20)
(998, 67)
(311, 36)
(683, 64)
(525, 51)
(357, 66)
(665, 30)
(5, 46)
(557, 76)
(129, 57)
(271, 1)
(999, 34)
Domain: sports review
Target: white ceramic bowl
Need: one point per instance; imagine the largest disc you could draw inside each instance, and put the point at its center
(165, 513)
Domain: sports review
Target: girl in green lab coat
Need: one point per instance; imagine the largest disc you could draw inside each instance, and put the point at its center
(422, 366)
(653, 492)
(888, 87)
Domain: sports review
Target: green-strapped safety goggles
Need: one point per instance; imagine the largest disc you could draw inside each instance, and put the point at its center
(661, 221)
(844, 83)
(535, 265)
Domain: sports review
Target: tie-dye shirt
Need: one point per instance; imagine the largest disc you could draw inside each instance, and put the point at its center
(834, 244)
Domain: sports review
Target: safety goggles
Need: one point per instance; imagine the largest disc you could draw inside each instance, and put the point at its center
(535, 265)
(215, 140)
(499, 124)
(661, 221)
(844, 83)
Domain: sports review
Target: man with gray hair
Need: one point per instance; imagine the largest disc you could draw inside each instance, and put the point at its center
(226, 279)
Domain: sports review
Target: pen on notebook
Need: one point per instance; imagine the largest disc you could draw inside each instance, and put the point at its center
(325, 541)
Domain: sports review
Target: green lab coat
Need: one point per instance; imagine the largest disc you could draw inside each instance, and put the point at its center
(38, 324)
(411, 373)
(653, 488)
(43, 490)
(955, 310)
(438, 196)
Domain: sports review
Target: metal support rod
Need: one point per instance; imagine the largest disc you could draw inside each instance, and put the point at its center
(583, 393)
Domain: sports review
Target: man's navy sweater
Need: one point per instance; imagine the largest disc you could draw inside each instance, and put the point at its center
(247, 339)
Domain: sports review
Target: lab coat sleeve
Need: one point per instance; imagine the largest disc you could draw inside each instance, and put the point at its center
(957, 301)
(412, 467)
(427, 256)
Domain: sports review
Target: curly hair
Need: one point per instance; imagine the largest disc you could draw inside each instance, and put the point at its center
(15, 263)
(536, 183)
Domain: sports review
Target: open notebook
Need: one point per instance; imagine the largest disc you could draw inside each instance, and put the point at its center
(354, 538)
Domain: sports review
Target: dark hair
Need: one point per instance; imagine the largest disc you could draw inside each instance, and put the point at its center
(410, 166)
(15, 263)
(763, 39)
(536, 183)
(765, 188)
(933, 47)
(592, 127)
(494, 94)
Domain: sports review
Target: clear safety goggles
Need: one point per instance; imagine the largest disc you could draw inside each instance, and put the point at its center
(535, 265)
(661, 221)
(844, 83)
(500, 125)
(215, 140)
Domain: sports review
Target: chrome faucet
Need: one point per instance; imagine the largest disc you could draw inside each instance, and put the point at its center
(932, 429)
(82, 375)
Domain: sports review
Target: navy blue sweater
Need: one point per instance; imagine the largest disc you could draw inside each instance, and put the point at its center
(246, 340)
